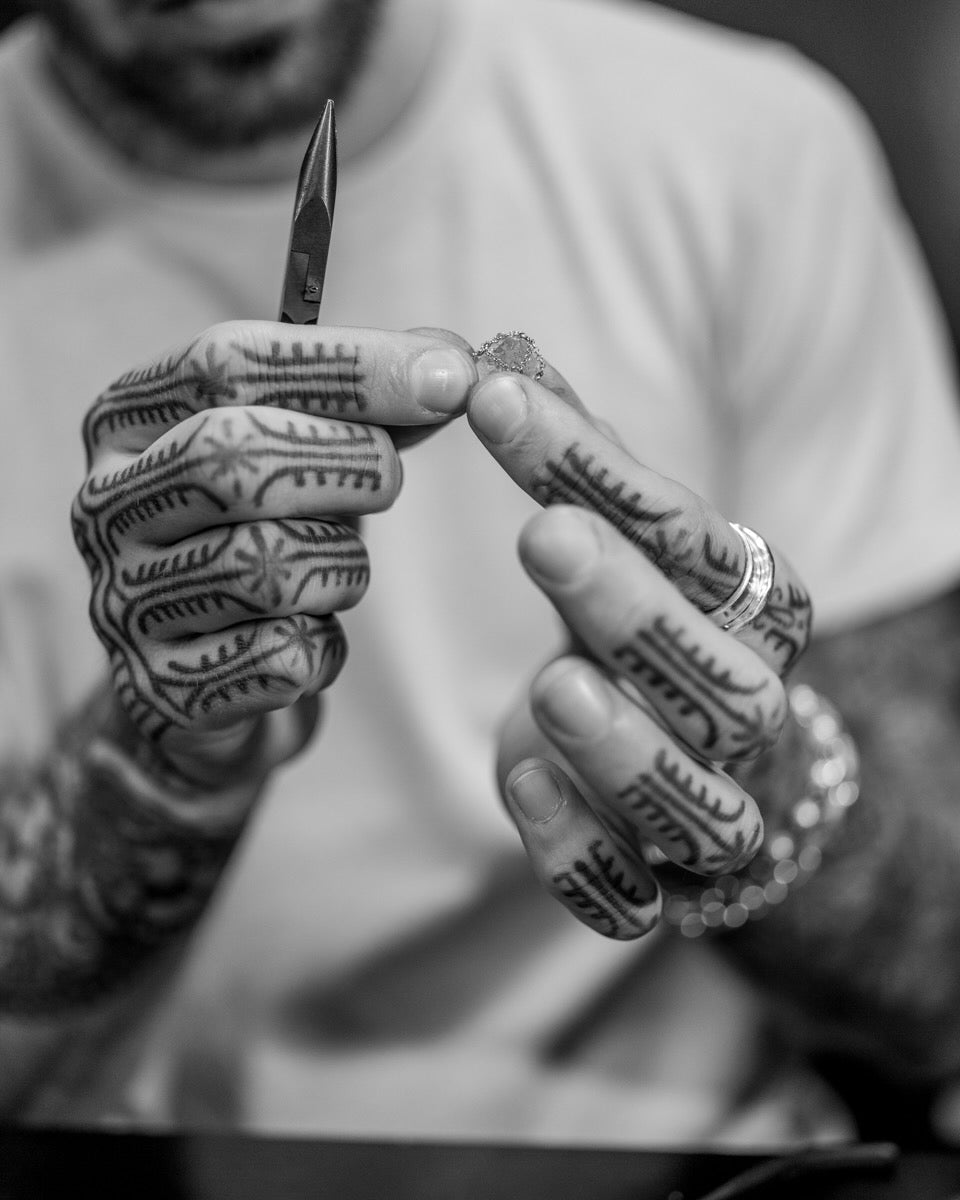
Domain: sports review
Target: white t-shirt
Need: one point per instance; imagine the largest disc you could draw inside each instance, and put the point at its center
(698, 231)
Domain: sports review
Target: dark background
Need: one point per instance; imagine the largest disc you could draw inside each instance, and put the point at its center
(901, 58)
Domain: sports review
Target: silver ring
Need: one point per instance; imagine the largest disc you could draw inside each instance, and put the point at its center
(513, 351)
(750, 595)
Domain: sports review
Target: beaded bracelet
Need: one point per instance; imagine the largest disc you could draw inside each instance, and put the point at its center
(789, 855)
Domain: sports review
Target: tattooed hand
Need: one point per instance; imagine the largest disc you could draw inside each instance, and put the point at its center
(207, 516)
(624, 742)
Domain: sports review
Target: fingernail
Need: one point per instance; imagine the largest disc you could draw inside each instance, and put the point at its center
(537, 795)
(561, 544)
(498, 407)
(576, 703)
(440, 379)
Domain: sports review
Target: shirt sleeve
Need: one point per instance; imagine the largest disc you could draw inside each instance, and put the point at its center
(841, 379)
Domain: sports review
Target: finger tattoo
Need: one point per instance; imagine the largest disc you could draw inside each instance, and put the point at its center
(240, 572)
(695, 824)
(268, 663)
(240, 457)
(785, 623)
(245, 571)
(306, 377)
(730, 719)
(704, 571)
(598, 889)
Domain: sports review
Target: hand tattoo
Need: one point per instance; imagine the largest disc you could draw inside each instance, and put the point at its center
(213, 604)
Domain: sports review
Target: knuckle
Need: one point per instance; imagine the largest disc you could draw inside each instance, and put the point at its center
(254, 561)
(758, 728)
(204, 372)
(673, 538)
(300, 653)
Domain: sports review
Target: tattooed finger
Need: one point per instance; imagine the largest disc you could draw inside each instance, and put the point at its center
(554, 451)
(574, 856)
(713, 693)
(240, 573)
(217, 679)
(370, 375)
(648, 787)
(225, 467)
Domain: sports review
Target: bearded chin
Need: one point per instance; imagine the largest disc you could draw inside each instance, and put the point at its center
(229, 97)
(227, 102)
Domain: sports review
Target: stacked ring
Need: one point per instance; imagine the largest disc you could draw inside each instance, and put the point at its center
(751, 593)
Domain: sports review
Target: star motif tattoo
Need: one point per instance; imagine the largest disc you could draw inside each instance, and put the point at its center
(266, 567)
(229, 457)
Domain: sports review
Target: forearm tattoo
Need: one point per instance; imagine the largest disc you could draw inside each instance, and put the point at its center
(597, 888)
(308, 377)
(100, 867)
(666, 660)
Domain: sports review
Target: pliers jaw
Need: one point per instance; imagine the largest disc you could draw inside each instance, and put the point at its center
(311, 226)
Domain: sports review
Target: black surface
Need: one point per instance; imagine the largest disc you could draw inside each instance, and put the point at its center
(50, 1165)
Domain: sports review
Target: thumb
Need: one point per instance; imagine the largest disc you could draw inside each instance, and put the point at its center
(405, 436)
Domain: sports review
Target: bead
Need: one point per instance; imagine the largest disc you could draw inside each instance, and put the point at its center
(828, 773)
(806, 813)
(781, 845)
(809, 859)
(775, 892)
(846, 793)
(824, 726)
(712, 913)
(735, 916)
(788, 856)
(691, 925)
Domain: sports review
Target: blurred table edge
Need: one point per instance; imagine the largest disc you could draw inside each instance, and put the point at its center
(42, 1163)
